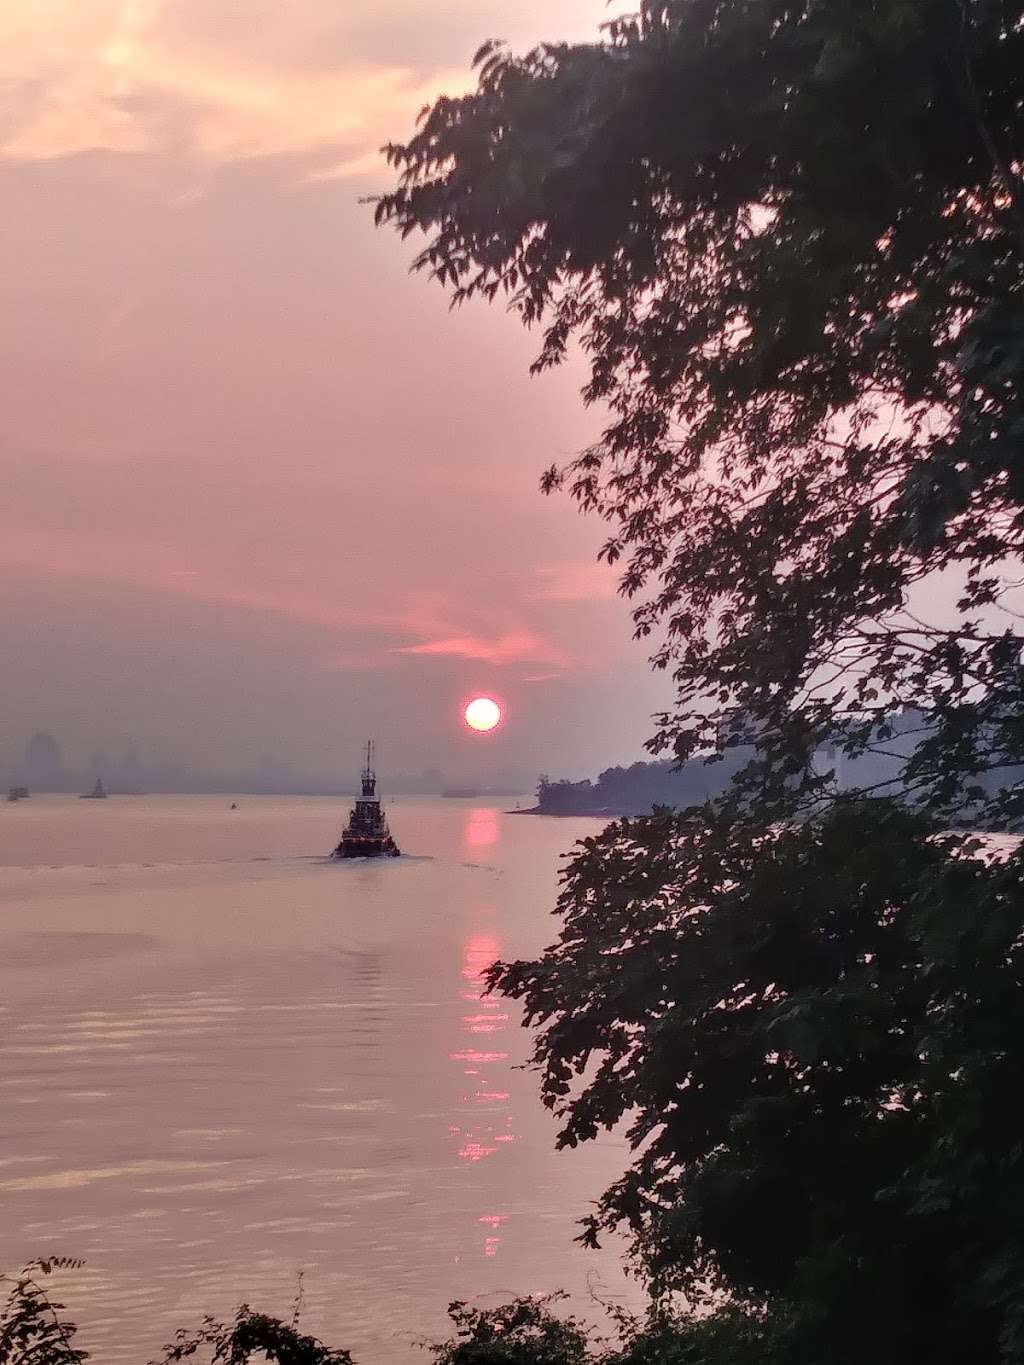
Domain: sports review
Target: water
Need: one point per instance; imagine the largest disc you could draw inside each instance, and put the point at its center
(225, 1061)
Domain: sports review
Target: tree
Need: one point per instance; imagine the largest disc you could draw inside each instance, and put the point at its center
(815, 1039)
(524, 1332)
(253, 1336)
(529, 1332)
(33, 1330)
(789, 237)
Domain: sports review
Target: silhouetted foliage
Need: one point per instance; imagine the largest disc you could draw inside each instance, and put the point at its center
(790, 240)
(32, 1328)
(252, 1336)
(523, 1332)
(815, 1036)
(528, 1332)
(34, 1332)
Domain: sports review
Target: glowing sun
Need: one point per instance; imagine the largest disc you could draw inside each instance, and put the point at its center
(482, 714)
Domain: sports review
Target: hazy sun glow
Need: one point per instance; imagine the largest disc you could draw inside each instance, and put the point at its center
(482, 714)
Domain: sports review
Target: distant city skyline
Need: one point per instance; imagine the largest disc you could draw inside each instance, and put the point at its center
(43, 767)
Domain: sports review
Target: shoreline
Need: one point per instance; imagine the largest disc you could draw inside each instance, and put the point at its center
(601, 813)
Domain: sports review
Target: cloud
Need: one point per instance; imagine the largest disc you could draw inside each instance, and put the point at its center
(370, 625)
(223, 80)
(521, 647)
(589, 581)
(133, 77)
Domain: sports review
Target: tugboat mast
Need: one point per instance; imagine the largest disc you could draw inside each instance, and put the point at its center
(369, 776)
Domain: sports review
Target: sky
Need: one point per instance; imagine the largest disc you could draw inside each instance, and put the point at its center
(264, 494)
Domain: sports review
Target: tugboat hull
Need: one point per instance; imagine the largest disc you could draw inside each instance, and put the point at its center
(367, 848)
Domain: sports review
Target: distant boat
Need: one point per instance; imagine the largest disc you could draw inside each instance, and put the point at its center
(18, 794)
(367, 835)
(98, 793)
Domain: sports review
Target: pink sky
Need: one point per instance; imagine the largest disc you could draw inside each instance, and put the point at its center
(263, 492)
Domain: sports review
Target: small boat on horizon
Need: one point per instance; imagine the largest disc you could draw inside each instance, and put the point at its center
(18, 794)
(98, 793)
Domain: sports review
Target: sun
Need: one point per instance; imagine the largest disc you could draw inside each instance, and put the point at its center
(482, 713)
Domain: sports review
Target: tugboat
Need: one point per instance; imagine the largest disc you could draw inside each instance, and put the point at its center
(367, 835)
(98, 793)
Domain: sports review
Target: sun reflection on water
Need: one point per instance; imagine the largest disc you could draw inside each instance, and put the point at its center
(482, 1138)
(481, 827)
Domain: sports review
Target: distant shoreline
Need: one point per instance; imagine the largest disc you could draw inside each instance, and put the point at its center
(597, 813)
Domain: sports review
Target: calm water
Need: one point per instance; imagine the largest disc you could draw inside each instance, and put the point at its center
(224, 1061)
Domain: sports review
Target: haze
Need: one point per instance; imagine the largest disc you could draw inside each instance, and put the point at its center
(264, 494)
